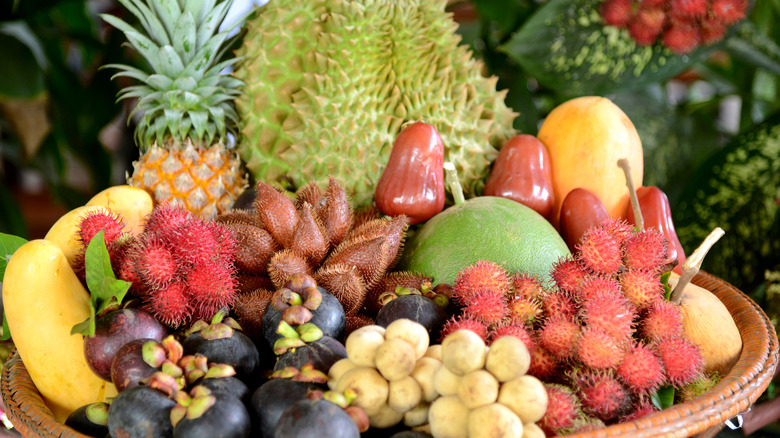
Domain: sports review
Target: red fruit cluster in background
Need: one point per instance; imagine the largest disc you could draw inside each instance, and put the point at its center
(680, 25)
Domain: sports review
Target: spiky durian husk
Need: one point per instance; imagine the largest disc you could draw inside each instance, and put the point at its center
(329, 93)
(204, 180)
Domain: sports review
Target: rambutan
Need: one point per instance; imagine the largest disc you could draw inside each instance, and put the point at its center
(596, 285)
(729, 11)
(517, 330)
(646, 25)
(641, 370)
(681, 38)
(598, 350)
(194, 243)
(523, 310)
(584, 424)
(559, 336)
(464, 322)
(483, 275)
(544, 365)
(646, 250)
(616, 12)
(619, 228)
(97, 220)
(563, 408)
(601, 393)
(599, 251)
(166, 219)
(642, 408)
(689, 8)
(212, 287)
(611, 313)
(559, 303)
(154, 262)
(487, 306)
(568, 274)
(712, 30)
(661, 319)
(528, 286)
(681, 359)
(642, 288)
(170, 304)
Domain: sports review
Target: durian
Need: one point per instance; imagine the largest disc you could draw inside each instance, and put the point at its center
(330, 83)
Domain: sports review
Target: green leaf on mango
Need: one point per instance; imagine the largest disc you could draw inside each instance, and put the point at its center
(663, 398)
(567, 47)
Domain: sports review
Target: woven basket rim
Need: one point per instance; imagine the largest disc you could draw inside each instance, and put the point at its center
(734, 394)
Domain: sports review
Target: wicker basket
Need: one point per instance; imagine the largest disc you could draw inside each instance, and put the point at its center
(734, 394)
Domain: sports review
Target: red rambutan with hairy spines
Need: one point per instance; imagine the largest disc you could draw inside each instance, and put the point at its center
(544, 365)
(559, 336)
(463, 322)
(166, 219)
(646, 25)
(154, 262)
(642, 408)
(616, 12)
(642, 288)
(619, 228)
(601, 393)
(228, 245)
(612, 313)
(487, 306)
(568, 274)
(170, 304)
(681, 358)
(682, 38)
(599, 251)
(97, 220)
(517, 330)
(729, 11)
(528, 286)
(661, 319)
(641, 370)
(596, 285)
(558, 303)
(194, 243)
(523, 310)
(563, 408)
(689, 8)
(711, 30)
(212, 287)
(483, 275)
(598, 350)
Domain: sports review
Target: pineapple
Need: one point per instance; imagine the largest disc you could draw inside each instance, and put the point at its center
(185, 103)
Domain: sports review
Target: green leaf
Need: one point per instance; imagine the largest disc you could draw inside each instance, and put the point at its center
(6, 330)
(23, 77)
(663, 398)
(8, 245)
(665, 282)
(566, 46)
(753, 47)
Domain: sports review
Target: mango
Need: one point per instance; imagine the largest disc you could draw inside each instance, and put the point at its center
(585, 137)
(43, 300)
(133, 204)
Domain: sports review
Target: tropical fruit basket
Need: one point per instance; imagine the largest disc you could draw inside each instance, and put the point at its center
(334, 229)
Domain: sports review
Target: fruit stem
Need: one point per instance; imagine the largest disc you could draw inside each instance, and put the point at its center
(693, 263)
(451, 178)
(640, 221)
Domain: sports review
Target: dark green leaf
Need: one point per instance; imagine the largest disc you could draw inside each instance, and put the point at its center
(8, 245)
(567, 47)
(665, 282)
(23, 78)
(6, 331)
(663, 398)
(754, 47)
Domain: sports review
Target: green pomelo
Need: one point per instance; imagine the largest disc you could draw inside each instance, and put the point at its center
(484, 228)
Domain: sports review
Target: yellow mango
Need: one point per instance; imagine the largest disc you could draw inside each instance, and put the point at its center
(43, 300)
(64, 232)
(133, 204)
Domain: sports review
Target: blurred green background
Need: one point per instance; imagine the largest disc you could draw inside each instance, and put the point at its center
(707, 119)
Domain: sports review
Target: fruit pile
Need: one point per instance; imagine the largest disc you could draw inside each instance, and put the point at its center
(680, 25)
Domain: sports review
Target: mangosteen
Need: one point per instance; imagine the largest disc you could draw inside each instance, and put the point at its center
(136, 361)
(301, 301)
(321, 353)
(140, 412)
(209, 414)
(273, 397)
(228, 385)
(418, 308)
(90, 419)
(115, 329)
(222, 342)
(314, 419)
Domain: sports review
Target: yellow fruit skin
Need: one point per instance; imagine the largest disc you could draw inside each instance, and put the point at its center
(43, 300)
(64, 232)
(133, 204)
(585, 138)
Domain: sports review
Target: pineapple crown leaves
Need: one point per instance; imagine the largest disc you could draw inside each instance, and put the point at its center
(188, 93)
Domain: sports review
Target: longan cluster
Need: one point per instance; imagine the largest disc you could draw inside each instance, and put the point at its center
(485, 391)
(391, 372)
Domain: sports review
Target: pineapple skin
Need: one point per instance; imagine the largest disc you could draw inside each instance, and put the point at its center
(204, 180)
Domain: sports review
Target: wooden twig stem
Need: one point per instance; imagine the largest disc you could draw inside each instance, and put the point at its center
(693, 263)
